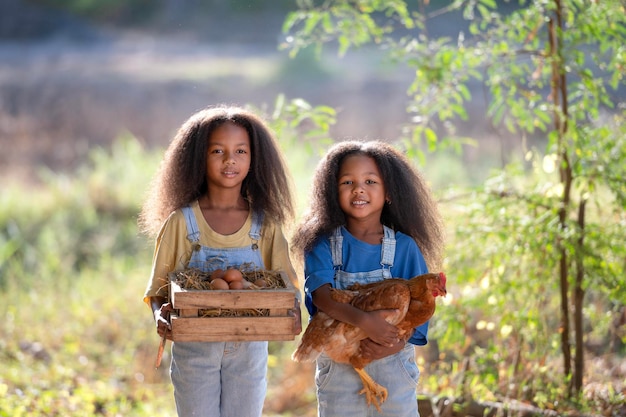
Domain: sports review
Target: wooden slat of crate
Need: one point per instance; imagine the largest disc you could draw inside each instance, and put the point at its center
(203, 299)
(220, 329)
(261, 298)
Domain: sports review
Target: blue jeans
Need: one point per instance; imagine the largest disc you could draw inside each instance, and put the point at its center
(338, 386)
(219, 379)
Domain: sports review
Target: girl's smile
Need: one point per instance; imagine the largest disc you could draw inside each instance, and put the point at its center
(230, 173)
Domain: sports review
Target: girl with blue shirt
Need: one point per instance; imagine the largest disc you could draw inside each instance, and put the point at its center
(371, 217)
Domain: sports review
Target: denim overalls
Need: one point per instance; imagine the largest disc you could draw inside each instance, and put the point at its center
(220, 379)
(338, 384)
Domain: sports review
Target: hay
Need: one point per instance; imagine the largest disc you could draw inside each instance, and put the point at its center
(196, 279)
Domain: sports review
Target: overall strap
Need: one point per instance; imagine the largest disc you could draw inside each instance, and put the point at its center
(193, 232)
(388, 251)
(255, 229)
(336, 248)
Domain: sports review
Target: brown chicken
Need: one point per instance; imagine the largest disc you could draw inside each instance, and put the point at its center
(414, 304)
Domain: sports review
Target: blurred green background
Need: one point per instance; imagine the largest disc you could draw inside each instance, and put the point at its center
(92, 91)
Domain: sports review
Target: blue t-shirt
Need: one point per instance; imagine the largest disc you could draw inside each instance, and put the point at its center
(359, 256)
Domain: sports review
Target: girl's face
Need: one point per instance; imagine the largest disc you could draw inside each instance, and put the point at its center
(361, 190)
(228, 156)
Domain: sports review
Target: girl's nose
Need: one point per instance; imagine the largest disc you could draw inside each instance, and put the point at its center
(357, 189)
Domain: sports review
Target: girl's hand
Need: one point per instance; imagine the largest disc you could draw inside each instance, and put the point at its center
(162, 317)
(377, 328)
(372, 350)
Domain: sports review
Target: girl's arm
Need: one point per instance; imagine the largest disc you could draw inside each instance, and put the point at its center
(412, 263)
(372, 323)
(275, 250)
(161, 313)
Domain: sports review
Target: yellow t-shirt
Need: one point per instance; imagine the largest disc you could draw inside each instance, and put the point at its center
(173, 249)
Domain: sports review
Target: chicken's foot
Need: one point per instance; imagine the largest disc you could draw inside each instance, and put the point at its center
(374, 392)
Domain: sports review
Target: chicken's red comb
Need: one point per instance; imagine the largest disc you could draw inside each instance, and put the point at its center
(442, 276)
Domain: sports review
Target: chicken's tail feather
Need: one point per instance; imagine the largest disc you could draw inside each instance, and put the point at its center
(305, 353)
(306, 350)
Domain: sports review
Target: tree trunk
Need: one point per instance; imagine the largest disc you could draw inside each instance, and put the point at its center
(559, 97)
(579, 295)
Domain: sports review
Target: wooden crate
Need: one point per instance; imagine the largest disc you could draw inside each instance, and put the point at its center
(189, 326)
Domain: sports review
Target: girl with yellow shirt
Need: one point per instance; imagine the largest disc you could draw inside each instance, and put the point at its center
(218, 200)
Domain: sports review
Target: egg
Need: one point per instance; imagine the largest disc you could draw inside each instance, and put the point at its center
(232, 274)
(219, 284)
(218, 273)
(260, 283)
(236, 285)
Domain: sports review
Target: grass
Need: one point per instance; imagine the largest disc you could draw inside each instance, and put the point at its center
(76, 338)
